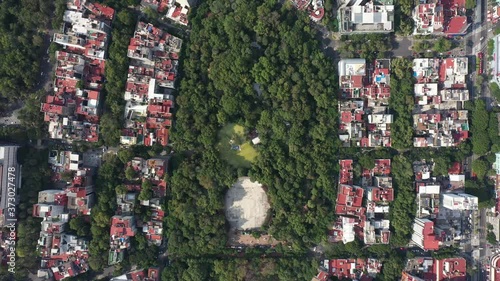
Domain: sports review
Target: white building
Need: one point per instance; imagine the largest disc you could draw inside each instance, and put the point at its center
(363, 16)
(459, 201)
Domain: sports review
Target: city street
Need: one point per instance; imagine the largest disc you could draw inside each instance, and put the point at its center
(402, 47)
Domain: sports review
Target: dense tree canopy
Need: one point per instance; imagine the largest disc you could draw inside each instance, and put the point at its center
(231, 47)
(401, 101)
(479, 127)
(22, 27)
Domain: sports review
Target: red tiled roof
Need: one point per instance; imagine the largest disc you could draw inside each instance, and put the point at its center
(457, 25)
(346, 171)
(382, 167)
(456, 169)
(154, 274)
(451, 269)
(382, 194)
(52, 108)
(430, 240)
(121, 227)
(317, 14)
(350, 195)
(102, 10)
(346, 117)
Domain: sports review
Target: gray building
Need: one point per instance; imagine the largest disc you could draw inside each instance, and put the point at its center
(10, 182)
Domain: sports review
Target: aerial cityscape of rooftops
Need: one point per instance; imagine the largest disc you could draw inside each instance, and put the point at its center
(250, 140)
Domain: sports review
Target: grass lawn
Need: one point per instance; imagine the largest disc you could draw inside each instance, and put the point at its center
(236, 133)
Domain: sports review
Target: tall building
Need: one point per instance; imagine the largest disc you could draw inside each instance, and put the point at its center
(423, 234)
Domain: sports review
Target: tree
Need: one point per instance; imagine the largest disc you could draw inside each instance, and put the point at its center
(121, 189)
(125, 155)
(146, 191)
(446, 252)
(110, 129)
(366, 162)
(495, 90)
(130, 173)
(80, 225)
(491, 238)
(441, 166)
(470, 4)
(354, 248)
(480, 167)
(480, 141)
(442, 45)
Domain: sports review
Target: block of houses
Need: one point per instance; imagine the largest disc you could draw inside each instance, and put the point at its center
(149, 103)
(429, 269)
(355, 269)
(371, 222)
(439, 91)
(68, 256)
(364, 117)
(64, 255)
(124, 224)
(72, 110)
(346, 171)
(122, 229)
(379, 193)
(435, 17)
(363, 16)
(442, 129)
(427, 199)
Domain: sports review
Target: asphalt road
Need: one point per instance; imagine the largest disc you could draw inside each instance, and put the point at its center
(402, 47)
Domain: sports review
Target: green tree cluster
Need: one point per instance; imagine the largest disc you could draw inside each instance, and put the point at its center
(402, 101)
(368, 46)
(403, 19)
(80, 225)
(403, 208)
(110, 175)
(491, 238)
(481, 142)
(238, 269)
(431, 48)
(495, 90)
(23, 26)
(116, 73)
